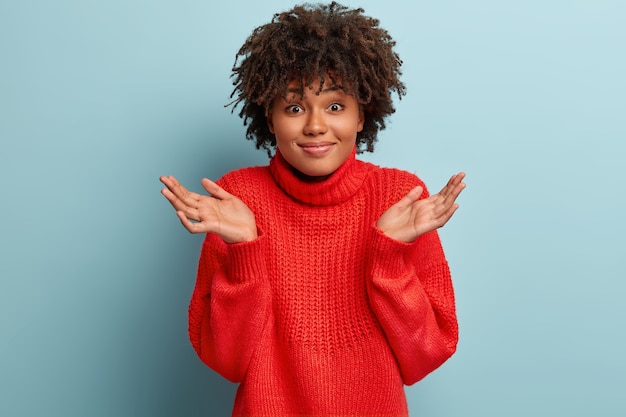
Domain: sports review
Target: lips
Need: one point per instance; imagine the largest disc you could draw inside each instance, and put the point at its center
(316, 148)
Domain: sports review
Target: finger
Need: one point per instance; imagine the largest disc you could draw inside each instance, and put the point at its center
(215, 190)
(448, 215)
(458, 177)
(169, 181)
(458, 181)
(169, 195)
(411, 197)
(454, 192)
(189, 225)
(165, 178)
(177, 188)
(188, 197)
(443, 202)
(452, 183)
(179, 205)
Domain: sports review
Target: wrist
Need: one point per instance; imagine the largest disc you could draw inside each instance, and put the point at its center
(401, 235)
(243, 237)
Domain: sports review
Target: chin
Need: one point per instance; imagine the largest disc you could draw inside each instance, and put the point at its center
(316, 174)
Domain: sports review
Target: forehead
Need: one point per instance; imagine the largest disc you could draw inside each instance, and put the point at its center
(305, 85)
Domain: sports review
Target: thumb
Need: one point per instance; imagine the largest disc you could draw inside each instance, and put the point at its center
(214, 189)
(412, 196)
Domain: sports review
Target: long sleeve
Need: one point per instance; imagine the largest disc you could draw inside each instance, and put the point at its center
(230, 305)
(411, 292)
(322, 314)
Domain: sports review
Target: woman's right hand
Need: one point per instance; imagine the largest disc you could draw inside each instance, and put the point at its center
(220, 212)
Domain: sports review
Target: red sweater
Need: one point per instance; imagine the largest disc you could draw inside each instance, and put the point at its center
(322, 314)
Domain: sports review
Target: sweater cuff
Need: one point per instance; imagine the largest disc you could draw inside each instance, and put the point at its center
(388, 254)
(246, 260)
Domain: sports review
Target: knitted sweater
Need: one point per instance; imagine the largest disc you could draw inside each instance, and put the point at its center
(322, 314)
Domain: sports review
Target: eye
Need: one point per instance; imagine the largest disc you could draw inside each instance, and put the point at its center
(294, 109)
(335, 107)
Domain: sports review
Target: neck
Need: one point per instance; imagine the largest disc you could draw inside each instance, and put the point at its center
(309, 178)
(325, 190)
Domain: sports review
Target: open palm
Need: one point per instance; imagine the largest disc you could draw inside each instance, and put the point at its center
(220, 212)
(411, 217)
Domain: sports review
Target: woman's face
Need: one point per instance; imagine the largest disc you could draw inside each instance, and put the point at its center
(315, 133)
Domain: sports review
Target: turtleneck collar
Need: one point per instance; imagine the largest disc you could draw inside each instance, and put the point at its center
(337, 188)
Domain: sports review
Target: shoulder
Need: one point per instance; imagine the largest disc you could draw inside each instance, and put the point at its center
(246, 181)
(254, 173)
(392, 183)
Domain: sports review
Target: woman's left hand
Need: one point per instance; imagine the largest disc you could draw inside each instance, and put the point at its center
(411, 217)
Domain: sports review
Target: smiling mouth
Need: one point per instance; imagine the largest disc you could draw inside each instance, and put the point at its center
(316, 148)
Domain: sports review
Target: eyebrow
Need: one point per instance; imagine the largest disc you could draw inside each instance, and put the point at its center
(325, 90)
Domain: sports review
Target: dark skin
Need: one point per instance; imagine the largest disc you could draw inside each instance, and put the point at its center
(331, 117)
(227, 216)
(219, 212)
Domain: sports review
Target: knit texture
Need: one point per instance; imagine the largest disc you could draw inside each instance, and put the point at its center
(322, 314)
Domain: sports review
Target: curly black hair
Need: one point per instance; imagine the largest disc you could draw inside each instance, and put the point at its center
(317, 42)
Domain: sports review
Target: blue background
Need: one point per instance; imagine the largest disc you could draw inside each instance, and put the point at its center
(99, 98)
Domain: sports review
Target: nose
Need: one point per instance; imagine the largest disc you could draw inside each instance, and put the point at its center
(315, 124)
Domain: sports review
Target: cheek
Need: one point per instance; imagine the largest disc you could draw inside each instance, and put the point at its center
(282, 134)
(284, 127)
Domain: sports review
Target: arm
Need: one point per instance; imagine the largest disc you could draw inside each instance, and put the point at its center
(411, 292)
(409, 281)
(230, 305)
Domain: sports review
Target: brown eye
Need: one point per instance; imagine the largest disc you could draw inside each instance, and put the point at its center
(294, 109)
(335, 107)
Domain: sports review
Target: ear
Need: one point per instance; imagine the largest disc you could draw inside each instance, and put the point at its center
(359, 127)
(270, 122)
